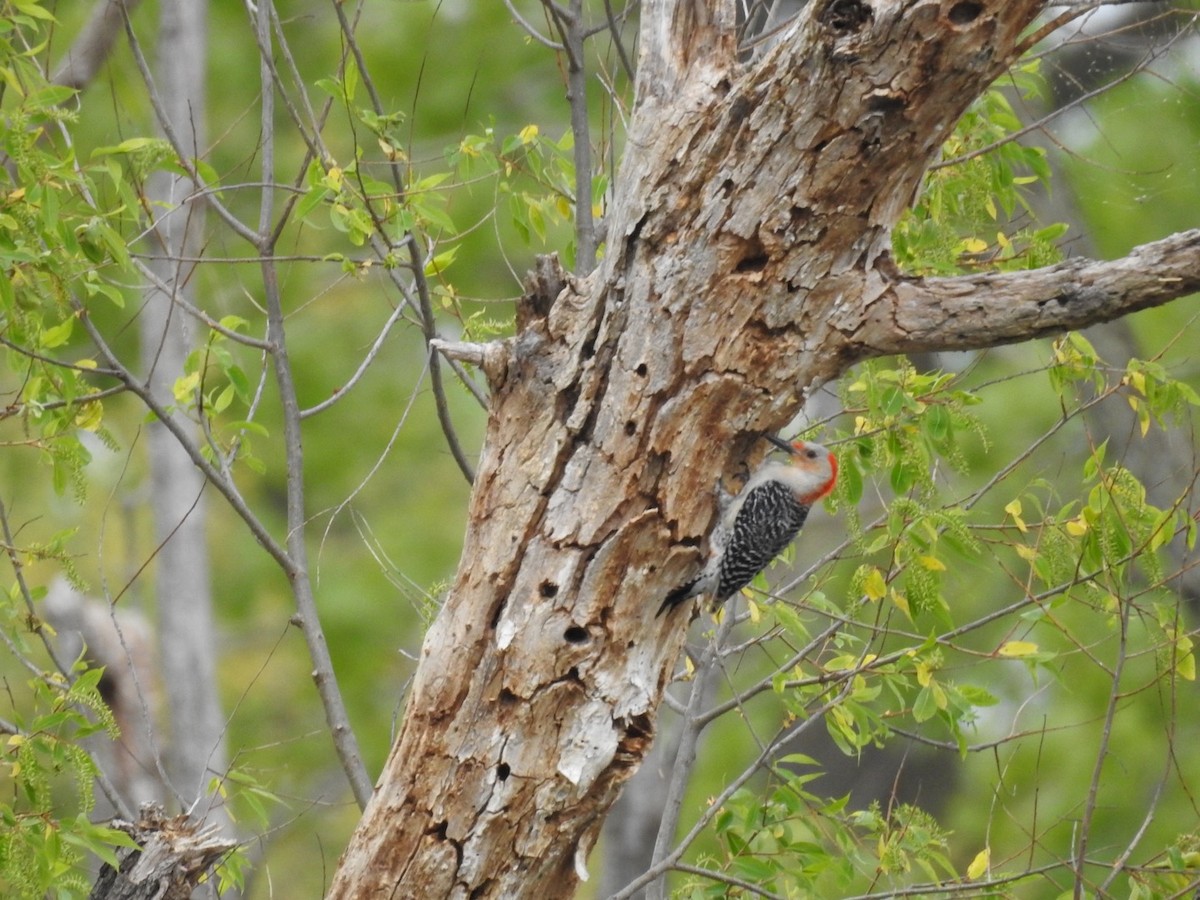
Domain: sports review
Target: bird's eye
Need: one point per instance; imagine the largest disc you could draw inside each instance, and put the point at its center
(812, 454)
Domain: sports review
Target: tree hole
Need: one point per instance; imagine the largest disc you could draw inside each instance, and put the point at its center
(964, 13)
(630, 428)
(575, 634)
(848, 15)
(548, 589)
(502, 771)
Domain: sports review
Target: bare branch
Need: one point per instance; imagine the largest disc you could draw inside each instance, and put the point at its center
(164, 121)
(973, 311)
(723, 878)
(615, 29)
(307, 617)
(106, 786)
(367, 360)
(530, 29)
(684, 762)
(94, 43)
(435, 369)
(571, 29)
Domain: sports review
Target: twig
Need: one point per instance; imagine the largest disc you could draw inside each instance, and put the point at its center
(685, 753)
(164, 121)
(106, 786)
(530, 29)
(354, 379)
(17, 408)
(366, 479)
(570, 28)
(1110, 712)
(615, 30)
(177, 298)
(307, 618)
(1058, 111)
(435, 368)
(729, 880)
(51, 361)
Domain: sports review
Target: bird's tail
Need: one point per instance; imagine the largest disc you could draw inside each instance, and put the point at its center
(677, 596)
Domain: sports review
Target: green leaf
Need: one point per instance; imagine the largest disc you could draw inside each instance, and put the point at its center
(57, 335)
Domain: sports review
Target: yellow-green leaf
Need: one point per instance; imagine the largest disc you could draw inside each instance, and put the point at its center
(1186, 667)
(979, 865)
(185, 386)
(874, 585)
(1017, 649)
(1013, 508)
(932, 563)
(89, 416)
(57, 335)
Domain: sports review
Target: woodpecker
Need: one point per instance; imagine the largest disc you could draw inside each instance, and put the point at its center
(761, 521)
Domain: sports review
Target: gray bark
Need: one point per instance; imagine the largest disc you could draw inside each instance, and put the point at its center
(188, 647)
(121, 641)
(174, 855)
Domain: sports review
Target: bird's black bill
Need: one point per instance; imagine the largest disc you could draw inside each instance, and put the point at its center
(780, 443)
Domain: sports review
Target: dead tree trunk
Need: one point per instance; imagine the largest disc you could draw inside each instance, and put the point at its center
(746, 263)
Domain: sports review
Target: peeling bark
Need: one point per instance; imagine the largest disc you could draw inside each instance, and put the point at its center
(174, 855)
(747, 262)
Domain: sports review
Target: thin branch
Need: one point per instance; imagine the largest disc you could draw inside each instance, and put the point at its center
(307, 617)
(312, 139)
(184, 159)
(570, 28)
(35, 621)
(106, 786)
(18, 408)
(615, 30)
(176, 297)
(435, 368)
(684, 762)
(226, 489)
(51, 361)
(367, 360)
(1102, 751)
(732, 788)
(1055, 113)
(721, 877)
(94, 44)
(531, 29)
(366, 479)
(424, 306)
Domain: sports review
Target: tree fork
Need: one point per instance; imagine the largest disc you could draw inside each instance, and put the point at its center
(747, 263)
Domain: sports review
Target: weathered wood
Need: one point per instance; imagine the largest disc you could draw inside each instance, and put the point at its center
(175, 854)
(746, 263)
(993, 308)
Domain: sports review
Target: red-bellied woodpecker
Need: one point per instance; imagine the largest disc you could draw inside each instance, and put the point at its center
(761, 521)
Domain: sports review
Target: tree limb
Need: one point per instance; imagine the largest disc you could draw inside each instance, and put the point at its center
(92, 47)
(985, 310)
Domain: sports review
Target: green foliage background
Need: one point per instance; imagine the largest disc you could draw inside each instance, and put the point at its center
(480, 121)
